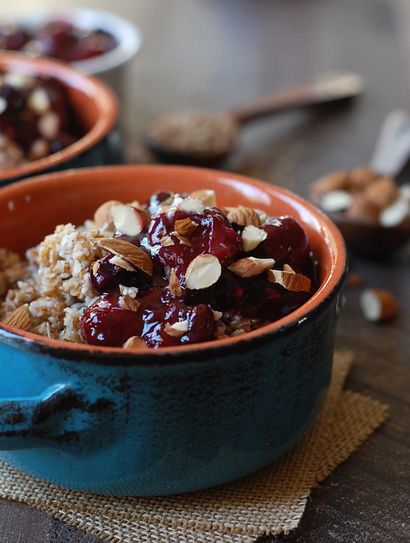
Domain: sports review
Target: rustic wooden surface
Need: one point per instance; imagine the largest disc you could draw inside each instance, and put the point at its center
(219, 53)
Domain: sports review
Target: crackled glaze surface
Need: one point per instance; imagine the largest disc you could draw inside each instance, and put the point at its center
(177, 419)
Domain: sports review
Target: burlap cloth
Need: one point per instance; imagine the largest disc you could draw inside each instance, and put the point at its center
(269, 502)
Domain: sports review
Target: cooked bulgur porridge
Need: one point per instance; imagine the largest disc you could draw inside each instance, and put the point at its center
(173, 271)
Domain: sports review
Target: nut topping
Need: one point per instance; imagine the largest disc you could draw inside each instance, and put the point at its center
(20, 318)
(126, 302)
(135, 256)
(120, 262)
(127, 219)
(103, 216)
(378, 305)
(174, 284)
(336, 200)
(251, 266)
(292, 281)
(252, 237)
(185, 227)
(178, 329)
(207, 197)
(202, 272)
(242, 216)
(135, 342)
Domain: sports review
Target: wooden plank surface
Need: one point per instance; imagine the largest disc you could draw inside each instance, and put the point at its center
(215, 54)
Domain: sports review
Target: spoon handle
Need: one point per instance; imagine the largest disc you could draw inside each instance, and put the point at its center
(328, 88)
(393, 146)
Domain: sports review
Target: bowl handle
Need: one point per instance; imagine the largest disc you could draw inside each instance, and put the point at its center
(55, 417)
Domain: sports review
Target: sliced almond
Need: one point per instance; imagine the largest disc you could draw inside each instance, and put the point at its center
(174, 285)
(135, 342)
(329, 183)
(136, 256)
(378, 305)
(252, 237)
(129, 303)
(49, 124)
(243, 216)
(290, 280)
(202, 272)
(166, 241)
(178, 329)
(396, 213)
(127, 219)
(182, 239)
(103, 215)
(20, 318)
(217, 315)
(121, 263)
(336, 200)
(288, 268)
(207, 197)
(251, 266)
(185, 227)
(39, 100)
(190, 204)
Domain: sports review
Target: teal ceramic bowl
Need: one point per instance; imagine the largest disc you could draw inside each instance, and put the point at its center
(171, 420)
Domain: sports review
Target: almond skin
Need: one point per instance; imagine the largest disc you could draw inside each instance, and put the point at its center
(20, 318)
(251, 266)
(378, 305)
(185, 227)
(290, 280)
(136, 256)
(243, 216)
(174, 285)
(207, 197)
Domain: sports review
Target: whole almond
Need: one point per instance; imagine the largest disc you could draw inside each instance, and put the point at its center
(203, 271)
(378, 305)
(362, 210)
(185, 227)
(135, 342)
(381, 192)
(358, 178)
(136, 256)
(243, 216)
(328, 183)
(292, 281)
(20, 318)
(252, 236)
(103, 216)
(251, 266)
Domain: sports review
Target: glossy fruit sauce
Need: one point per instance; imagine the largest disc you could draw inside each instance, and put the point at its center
(181, 271)
(59, 39)
(36, 118)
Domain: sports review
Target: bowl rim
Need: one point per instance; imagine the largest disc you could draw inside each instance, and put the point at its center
(128, 35)
(214, 348)
(103, 96)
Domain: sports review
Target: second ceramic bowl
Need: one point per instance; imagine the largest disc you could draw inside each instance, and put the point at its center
(170, 420)
(94, 104)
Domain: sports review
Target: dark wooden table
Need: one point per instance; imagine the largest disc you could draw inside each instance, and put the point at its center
(218, 53)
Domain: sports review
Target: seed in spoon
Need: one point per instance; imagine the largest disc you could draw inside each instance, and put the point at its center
(193, 133)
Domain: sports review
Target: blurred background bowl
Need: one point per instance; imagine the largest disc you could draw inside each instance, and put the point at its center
(108, 66)
(94, 104)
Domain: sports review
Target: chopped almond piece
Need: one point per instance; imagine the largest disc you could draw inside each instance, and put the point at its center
(135, 342)
(251, 266)
(178, 329)
(378, 305)
(20, 318)
(185, 227)
(174, 284)
(243, 216)
(252, 237)
(290, 280)
(202, 272)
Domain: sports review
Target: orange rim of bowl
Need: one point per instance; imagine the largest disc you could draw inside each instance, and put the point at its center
(70, 77)
(330, 284)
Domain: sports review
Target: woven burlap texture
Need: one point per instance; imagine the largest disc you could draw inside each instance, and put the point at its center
(271, 501)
